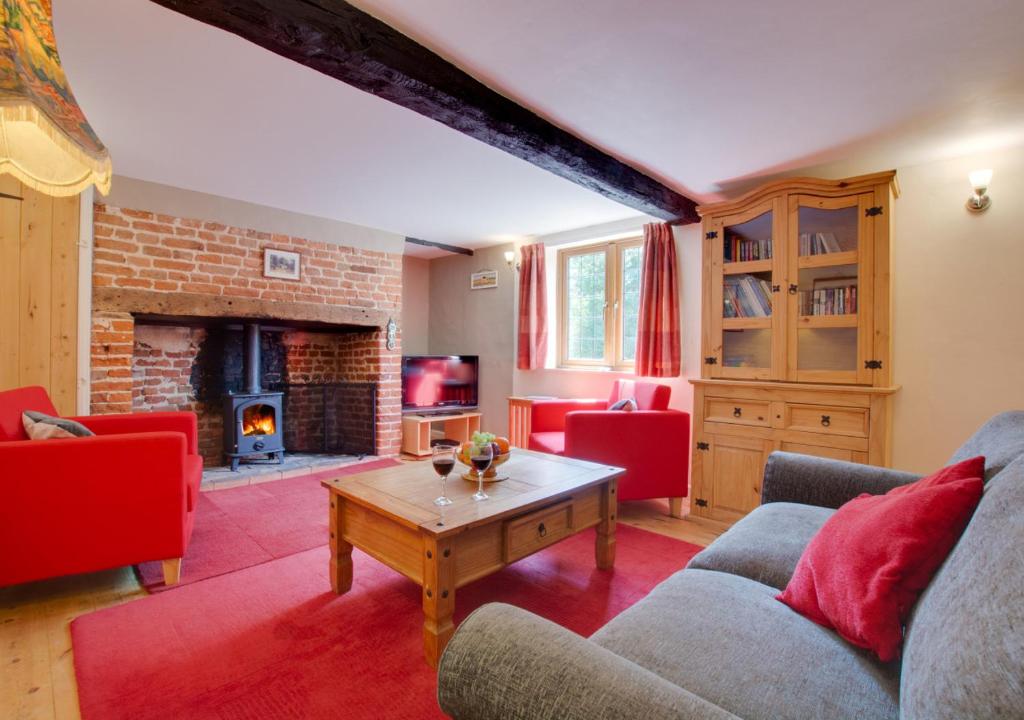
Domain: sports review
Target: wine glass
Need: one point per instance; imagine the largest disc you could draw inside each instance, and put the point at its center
(481, 456)
(444, 463)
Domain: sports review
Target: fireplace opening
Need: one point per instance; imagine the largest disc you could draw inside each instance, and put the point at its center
(259, 420)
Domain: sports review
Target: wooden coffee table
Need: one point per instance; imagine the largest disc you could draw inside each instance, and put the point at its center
(389, 514)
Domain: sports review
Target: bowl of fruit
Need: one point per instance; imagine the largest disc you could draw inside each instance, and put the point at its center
(499, 447)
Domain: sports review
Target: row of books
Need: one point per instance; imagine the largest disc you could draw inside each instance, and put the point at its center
(746, 296)
(739, 249)
(829, 301)
(820, 243)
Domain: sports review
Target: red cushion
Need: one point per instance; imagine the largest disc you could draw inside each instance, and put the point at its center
(648, 396)
(14, 402)
(863, 571)
(548, 442)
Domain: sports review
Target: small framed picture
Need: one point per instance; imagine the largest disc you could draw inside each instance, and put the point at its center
(281, 264)
(483, 280)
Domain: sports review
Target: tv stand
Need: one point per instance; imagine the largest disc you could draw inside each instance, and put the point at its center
(458, 426)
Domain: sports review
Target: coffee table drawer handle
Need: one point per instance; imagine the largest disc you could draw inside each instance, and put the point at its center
(541, 530)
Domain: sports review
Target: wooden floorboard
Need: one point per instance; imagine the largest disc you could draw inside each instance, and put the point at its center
(38, 677)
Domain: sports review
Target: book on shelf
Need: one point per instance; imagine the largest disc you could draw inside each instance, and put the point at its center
(746, 296)
(829, 301)
(739, 249)
(819, 243)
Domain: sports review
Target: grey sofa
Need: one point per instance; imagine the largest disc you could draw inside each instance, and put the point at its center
(712, 642)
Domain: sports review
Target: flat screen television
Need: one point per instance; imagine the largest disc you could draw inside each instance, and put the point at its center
(439, 383)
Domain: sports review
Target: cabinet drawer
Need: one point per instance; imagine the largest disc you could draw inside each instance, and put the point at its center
(737, 412)
(827, 419)
(527, 534)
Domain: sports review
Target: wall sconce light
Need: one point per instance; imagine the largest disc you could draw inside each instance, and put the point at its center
(979, 201)
(510, 260)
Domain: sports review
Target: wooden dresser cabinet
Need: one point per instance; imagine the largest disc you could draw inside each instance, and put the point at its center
(796, 345)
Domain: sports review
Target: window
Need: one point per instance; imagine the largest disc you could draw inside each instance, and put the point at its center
(598, 304)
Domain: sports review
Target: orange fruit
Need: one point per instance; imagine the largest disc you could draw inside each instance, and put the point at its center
(503, 444)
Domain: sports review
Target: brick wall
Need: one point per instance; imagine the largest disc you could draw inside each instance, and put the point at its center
(163, 254)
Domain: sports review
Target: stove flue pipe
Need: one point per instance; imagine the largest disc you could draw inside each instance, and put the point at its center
(252, 358)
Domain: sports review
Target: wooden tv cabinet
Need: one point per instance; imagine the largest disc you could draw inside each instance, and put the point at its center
(416, 430)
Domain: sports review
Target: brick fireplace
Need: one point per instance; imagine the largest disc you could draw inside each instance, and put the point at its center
(170, 296)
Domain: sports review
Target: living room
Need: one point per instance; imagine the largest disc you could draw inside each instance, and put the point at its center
(368, 360)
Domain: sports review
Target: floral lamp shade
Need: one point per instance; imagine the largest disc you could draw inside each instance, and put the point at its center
(45, 140)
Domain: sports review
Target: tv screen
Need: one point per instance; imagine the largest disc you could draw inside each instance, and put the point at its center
(439, 382)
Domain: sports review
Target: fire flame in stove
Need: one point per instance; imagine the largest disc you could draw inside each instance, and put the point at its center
(258, 420)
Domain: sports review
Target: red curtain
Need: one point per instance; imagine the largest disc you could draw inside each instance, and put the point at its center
(533, 309)
(657, 337)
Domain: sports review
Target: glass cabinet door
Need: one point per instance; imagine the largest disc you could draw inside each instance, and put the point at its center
(744, 322)
(829, 289)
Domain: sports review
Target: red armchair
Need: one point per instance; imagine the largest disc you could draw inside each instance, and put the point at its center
(124, 496)
(652, 443)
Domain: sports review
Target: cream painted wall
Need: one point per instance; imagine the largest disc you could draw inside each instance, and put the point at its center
(958, 295)
(415, 305)
(477, 322)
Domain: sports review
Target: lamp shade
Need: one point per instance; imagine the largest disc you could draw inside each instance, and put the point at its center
(45, 140)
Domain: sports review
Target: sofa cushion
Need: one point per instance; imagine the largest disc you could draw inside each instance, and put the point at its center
(14, 402)
(726, 639)
(40, 426)
(1000, 440)
(964, 646)
(548, 442)
(867, 566)
(766, 544)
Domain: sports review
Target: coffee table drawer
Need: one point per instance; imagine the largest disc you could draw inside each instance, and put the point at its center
(527, 534)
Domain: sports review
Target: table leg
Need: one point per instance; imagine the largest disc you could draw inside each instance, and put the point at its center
(604, 550)
(340, 567)
(438, 597)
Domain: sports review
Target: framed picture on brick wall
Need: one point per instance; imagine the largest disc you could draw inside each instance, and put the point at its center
(281, 264)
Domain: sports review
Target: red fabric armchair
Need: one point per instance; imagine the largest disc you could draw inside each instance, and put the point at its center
(652, 443)
(124, 496)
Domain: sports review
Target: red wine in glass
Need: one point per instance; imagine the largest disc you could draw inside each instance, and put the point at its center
(444, 463)
(481, 457)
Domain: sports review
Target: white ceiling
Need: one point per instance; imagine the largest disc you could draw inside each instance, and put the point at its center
(708, 97)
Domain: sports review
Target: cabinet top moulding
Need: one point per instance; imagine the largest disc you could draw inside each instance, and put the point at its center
(798, 185)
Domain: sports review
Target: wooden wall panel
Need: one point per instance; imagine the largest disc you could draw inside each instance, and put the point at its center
(39, 292)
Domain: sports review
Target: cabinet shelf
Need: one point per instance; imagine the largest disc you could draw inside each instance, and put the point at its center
(848, 320)
(743, 323)
(748, 266)
(827, 260)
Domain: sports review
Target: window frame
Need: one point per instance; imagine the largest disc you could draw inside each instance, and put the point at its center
(613, 307)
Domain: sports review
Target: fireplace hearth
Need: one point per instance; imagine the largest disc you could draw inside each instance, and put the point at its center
(253, 419)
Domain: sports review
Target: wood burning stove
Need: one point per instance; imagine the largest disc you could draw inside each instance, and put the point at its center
(253, 419)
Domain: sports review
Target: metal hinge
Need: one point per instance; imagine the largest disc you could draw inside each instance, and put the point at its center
(700, 502)
(873, 364)
(872, 211)
(710, 361)
(711, 235)
(703, 446)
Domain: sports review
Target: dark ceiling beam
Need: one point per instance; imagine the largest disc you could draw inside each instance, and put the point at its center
(440, 246)
(339, 40)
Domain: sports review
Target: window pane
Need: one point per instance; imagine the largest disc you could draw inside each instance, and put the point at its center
(631, 261)
(585, 306)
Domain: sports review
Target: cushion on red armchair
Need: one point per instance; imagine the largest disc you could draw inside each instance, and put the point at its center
(864, 570)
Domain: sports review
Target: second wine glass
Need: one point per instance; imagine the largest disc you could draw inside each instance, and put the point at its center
(481, 456)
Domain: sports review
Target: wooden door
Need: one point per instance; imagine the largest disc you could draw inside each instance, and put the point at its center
(744, 262)
(39, 292)
(830, 305)
(733, 469)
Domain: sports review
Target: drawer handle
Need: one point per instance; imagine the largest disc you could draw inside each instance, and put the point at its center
(826, 420)
(793, 289)
(541, 530)
(736, 412)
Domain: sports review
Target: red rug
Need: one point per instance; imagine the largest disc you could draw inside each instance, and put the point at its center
(249, 525)
(272, 641)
